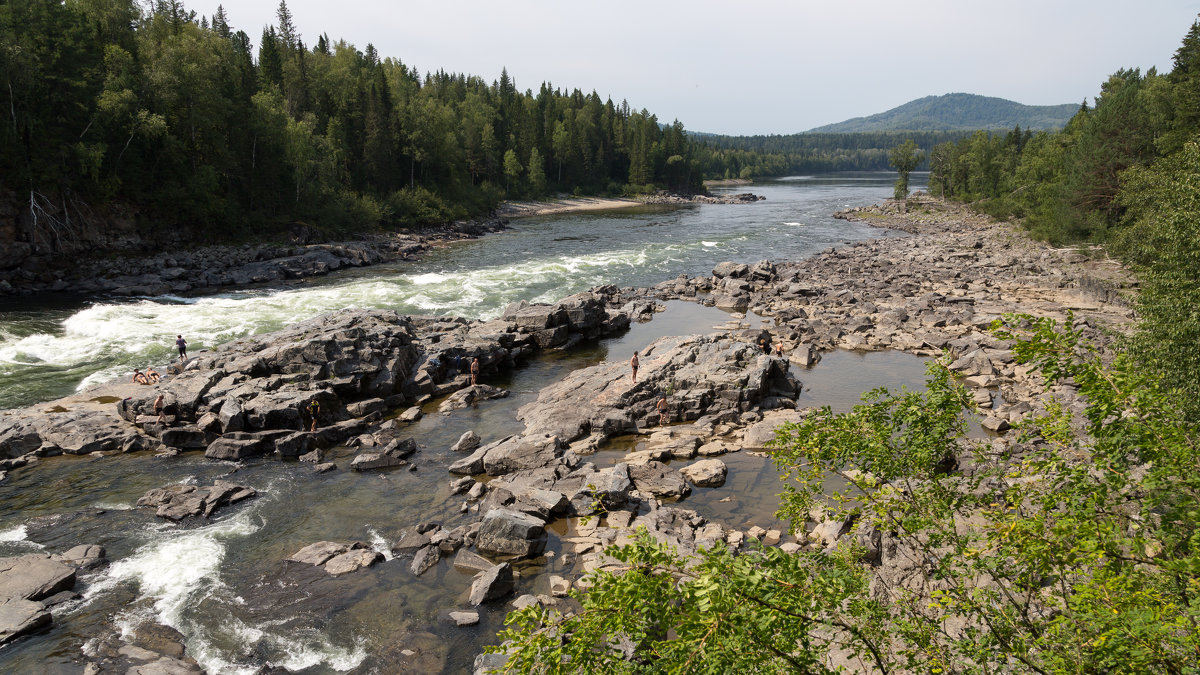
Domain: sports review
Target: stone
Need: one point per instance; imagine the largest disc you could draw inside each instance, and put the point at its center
(491, 584)
(559, 586)
(352, 561)
(34, 576)
(466, 443)
(706, 473)
(507, 532)
(470, 560)
(19, 616)
(425, 559)
(469, 396)
(659, 480)
(319, 553)
(84, 556)
(464, 618)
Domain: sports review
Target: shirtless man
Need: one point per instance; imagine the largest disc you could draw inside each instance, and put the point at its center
(662, 411)
(153, 375)
(633, 366)
(474, 370)
(160, 409)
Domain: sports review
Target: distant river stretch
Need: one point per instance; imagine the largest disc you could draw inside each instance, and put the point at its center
(49, 348)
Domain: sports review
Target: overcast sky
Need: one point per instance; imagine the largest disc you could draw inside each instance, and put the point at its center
(758, 66)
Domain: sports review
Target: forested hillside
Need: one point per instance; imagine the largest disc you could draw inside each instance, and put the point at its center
(191, 123)
(957, 112)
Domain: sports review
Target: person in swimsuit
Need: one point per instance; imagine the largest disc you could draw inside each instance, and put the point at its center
(662, 410)
(474, 371)
(633, 366)
(139, 377)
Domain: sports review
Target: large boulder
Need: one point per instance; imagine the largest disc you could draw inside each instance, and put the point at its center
(508, 532)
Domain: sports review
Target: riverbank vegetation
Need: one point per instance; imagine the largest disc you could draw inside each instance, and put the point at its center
(1075, 551)
(195, 125)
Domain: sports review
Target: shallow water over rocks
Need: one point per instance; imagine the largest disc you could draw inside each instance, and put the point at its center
(226, 586)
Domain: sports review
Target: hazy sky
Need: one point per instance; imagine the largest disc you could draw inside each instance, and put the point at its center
(758, 66)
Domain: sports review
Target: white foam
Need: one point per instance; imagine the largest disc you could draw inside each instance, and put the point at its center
(793, 224)
(708, 244)
(106, 341)
(18, 535)
(113, 506)
(308, 648)
(378, 543)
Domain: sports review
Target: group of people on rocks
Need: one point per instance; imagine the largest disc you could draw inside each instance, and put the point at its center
(151, 376)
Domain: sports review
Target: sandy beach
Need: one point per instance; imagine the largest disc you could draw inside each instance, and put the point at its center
(566, 205)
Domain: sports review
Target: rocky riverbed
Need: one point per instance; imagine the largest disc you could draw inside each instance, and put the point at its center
(368, 372)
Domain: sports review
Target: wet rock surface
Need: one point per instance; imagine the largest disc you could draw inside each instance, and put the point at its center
(30, 584)
(176, 502)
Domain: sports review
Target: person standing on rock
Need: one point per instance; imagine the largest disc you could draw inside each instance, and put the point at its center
(633, 366)
(182, 345)
(474, 371)
(160, 409)
(662, 410)
(314, 409)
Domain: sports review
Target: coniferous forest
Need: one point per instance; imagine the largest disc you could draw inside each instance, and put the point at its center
(195, 124)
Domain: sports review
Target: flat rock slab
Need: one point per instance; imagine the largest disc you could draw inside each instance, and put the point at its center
(337, 558)
(34, 576)
(19, 616)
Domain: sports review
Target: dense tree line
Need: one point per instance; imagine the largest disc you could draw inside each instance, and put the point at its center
(193, 123)
(763, 156)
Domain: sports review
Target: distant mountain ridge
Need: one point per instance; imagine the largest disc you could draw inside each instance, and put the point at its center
(958, 112)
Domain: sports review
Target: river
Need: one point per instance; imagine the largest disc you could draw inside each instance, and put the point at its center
(223, 583)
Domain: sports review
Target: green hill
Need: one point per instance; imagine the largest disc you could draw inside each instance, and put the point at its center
(958, 112)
